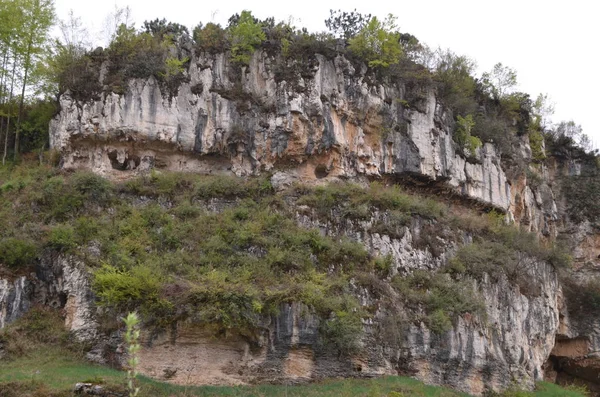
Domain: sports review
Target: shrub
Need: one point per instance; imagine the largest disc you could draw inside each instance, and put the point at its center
(378, 43)
(62, 238)
(38, 327)
(123, 289)
(59, 200)
(343, 331)
(536, 142)
(15, 252)
(439, 321)
(210, 38)
(463, 137)
(246, 35)
(440, 296)
(92, 186)
(456, 85)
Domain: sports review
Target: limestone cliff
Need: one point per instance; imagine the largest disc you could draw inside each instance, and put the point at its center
(331, 123)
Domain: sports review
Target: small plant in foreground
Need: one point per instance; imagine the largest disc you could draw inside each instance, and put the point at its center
(132, 336)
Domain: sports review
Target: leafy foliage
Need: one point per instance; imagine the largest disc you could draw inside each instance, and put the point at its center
(378, 43)
(346, 24)
(15, 252)
(500, 82)
(462, 135)
(210, 38)
(441, 297)
(245, 35)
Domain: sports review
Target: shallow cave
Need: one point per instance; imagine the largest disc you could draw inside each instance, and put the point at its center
(570, 363)
(129, 162)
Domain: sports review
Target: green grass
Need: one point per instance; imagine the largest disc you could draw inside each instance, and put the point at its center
(51, 366)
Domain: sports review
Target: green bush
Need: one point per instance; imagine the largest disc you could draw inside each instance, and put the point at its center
(245, 35)
(378, 43)
(140, 287)
(344, 332)
(536, 142)
(211, 38)
(62, 238)
(463, 137)
(59, 200)
(440, 296)
(348, 197)
(439, 321)
(15, 252)
(92, 186)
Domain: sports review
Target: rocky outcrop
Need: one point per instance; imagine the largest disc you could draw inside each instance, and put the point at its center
(59, 282)
(332, 123)
(509, 344)
(14, 299)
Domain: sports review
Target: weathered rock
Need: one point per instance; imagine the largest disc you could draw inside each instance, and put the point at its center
(14, 299)
(59, 282)
(338, 125)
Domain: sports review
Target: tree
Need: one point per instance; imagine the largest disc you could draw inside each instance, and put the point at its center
(462, 135)
(114, 20)
(569, 131)
(346, 25)
(59, 70)
(500, 82)
(210, 38)
(161, 28)
(378, 43)
(11, 23)
(246, 34)
(38, 18)
(454, 76)
(542, 109)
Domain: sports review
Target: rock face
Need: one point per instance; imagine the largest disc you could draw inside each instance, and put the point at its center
(14, 299)
(59, 282)
(332, 123)
(511, 345)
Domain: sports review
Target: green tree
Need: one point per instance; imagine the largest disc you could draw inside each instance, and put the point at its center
(210, 38)
(454, 76)
(543, 109)
(161, 28)
(38, 18)
(500, 82)
(346, 24)
(246, 35)
(378, 43)
(58, 71)
(462, 135)
(11, 23)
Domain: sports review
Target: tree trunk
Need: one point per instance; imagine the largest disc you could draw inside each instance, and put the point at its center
(6, 133)
(4, 62)
(22, 102)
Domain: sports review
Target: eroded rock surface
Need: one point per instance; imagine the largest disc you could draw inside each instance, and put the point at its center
(337, 124)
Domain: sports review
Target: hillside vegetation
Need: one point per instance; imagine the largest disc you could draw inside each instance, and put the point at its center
(226, 252)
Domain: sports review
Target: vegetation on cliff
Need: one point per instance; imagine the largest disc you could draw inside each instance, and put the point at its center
(226, 252)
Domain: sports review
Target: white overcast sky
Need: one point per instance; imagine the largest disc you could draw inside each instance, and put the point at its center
(551, 44)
